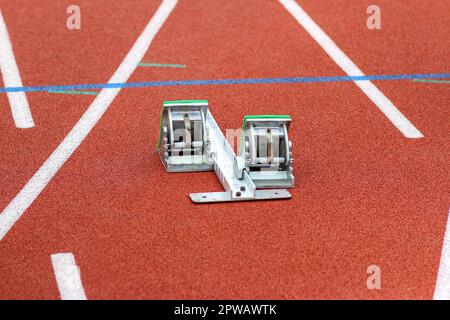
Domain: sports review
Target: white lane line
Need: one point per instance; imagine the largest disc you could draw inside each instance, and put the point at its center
(72, 141)
(343, 61)
(442, 290)
(11, 78)
(68, 277)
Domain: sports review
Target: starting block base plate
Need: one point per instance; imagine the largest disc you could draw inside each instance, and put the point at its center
(212, 197)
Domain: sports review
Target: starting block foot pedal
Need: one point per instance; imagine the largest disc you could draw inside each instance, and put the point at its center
(184, 144)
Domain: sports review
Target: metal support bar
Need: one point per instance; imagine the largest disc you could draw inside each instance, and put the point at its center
(210, 197)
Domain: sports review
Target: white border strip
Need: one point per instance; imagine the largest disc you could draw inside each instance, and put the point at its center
(11, 78)
(68, 277)
(185, 104)
(93, 114)
(344, 62)
(442, 290)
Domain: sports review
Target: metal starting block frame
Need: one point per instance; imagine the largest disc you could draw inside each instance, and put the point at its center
(190, 140)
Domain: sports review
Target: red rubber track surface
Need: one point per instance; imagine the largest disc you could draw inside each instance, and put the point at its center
(364, 195)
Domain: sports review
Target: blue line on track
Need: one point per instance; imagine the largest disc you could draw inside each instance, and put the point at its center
(225, 82)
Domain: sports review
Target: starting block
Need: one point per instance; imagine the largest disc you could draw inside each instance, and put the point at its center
(190, 140)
